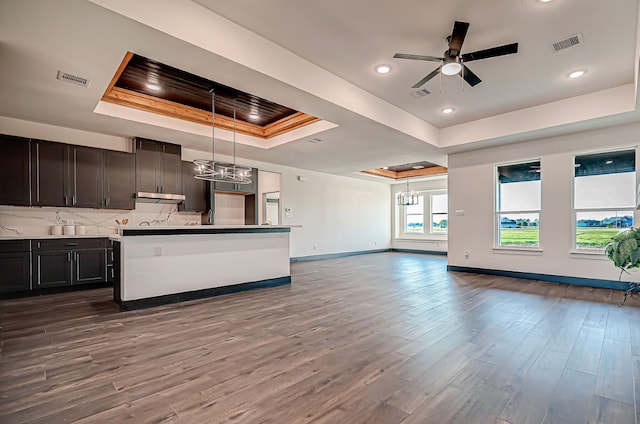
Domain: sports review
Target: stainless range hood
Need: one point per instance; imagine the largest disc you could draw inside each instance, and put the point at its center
(143, 196)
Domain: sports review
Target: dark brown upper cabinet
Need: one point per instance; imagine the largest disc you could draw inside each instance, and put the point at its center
(194, 190)
(14, 171)
(119, 180)
(49, 174)
(158, 167)
(64, 175)
(86, 177)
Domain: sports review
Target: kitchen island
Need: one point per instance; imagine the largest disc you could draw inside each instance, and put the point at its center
(158, 265)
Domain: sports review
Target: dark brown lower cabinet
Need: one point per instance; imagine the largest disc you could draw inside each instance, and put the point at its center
(15, 266)
(67, 262)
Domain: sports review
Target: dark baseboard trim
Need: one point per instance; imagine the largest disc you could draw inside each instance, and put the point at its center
(201, 294)
(54, 290)
(336, 255)
(562, 279)
(422, 252)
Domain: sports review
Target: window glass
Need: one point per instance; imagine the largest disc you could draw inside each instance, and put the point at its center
(414, 217)
(604, 196)
(518, 205)
(439, 213)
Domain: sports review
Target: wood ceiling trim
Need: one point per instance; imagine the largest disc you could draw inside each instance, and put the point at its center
(128, 98)
(147, 103)
(289, 123)
(119, 71)
(412, 173)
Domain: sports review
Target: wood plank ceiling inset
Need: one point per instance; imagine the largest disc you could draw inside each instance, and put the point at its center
(186, 96)
(408, 170)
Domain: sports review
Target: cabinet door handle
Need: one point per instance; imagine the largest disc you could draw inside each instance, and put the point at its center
(68, 256)
(74, 200)
(66, 200)
(71, 244)
(107, 201)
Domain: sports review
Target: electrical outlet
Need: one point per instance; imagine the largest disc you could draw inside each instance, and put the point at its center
(466, 255)
(157, 251)
(315, 247)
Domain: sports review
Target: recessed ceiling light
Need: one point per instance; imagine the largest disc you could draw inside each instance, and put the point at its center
(576, 74)
(447, 110)
(254, 116)
(383, 69)
(385, 167)
(154, 87)
(545, 1)
(417, 167)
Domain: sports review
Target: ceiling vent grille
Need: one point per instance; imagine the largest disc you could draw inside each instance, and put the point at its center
(420, 93)
(574, 40)
(73, 79)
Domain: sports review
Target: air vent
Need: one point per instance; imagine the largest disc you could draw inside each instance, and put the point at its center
(315, 140)
(574, 40)
(420, 93)
(73, 79)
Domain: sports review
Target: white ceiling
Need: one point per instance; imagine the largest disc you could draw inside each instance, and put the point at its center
(319, 57)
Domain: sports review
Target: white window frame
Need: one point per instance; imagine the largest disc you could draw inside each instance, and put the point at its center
(431, 231)
(428, 233)
(498, 212)
(574, 211)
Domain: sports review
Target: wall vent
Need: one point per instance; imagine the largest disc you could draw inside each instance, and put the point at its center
(574, 40)
(420, 93)
(73, 79)
(315, 140)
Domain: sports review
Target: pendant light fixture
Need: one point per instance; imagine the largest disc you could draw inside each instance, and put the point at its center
(222, 172)
(408, 198)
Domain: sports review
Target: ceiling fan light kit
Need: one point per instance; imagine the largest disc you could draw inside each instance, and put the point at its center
(453, 62)
(451, 65)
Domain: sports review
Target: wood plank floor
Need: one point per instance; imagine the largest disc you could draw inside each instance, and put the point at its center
(381, 338)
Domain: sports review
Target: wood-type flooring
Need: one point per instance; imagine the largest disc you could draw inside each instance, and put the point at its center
(381, 338)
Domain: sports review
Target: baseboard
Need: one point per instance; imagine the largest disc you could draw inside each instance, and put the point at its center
(130, 305)
(421, 252)
(562, 279)
(54, 290)
(336, 255)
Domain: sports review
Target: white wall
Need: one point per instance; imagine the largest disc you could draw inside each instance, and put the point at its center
(430, 242)
(471, 189)
(229, 209)
(268, 182)
(336, 214)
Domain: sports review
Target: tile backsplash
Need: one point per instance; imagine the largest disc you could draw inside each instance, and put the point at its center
(36, 221)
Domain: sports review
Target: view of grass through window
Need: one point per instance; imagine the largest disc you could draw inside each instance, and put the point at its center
(414, 217)
(518, 205)
(439, 215)
(604, 196)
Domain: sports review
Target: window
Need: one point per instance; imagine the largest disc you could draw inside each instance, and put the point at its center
(439, 215)
(414, 217)
(518, 195)
(428, 217)
(604, 196)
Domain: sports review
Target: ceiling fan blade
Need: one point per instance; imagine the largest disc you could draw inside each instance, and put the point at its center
(416, 57)
(471, 78)
(492, 52)
(457, 36)
(424, 80)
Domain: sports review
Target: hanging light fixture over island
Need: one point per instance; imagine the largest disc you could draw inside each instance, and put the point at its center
(209, 169)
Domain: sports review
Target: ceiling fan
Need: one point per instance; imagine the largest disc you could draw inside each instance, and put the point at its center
(453, 62)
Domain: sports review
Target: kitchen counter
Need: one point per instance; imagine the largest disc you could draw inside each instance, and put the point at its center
(158, 265)
(49, 236)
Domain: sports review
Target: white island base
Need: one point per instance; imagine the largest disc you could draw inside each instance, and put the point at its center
(158, 265)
